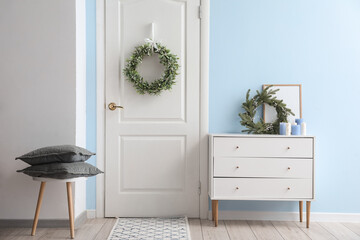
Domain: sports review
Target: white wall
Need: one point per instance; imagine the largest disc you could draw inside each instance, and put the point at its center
(38, 80)
(80, 198)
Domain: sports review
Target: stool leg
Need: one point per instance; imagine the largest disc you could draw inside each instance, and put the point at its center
(71, 209)
(38, 206)
(301, 210)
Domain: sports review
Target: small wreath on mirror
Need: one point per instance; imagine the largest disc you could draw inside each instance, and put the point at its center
(167, 80)
(250, 106)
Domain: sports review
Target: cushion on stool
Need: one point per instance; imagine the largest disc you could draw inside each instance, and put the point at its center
(56, 154)
(62, 170)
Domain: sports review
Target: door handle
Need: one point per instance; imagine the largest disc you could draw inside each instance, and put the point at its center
(112, 106)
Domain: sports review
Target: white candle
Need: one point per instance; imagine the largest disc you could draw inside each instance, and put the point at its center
(288, 128)
(303, 128)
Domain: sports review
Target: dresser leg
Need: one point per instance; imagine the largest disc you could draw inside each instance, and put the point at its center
(301, 210)
(215, 210)
(38, 206)
(308, 203)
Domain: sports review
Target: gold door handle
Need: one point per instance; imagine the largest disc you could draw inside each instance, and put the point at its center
(112, 106)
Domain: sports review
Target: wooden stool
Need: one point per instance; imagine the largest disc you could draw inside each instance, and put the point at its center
(69, 197)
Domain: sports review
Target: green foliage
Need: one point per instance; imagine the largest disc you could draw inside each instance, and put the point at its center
(166, 58)
(267, 96)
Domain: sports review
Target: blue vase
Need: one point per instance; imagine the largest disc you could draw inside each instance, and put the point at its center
(299, 121)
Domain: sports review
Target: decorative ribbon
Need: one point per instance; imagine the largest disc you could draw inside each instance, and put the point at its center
(152, 43)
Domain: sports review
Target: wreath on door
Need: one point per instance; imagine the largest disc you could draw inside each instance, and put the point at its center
(167, 79)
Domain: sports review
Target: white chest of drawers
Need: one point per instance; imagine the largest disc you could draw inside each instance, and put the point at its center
(261, 167)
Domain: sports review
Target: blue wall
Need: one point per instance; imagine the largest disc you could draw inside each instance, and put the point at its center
(91, 96)
(315, 43)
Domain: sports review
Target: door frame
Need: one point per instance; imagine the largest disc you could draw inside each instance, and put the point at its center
(204, 13)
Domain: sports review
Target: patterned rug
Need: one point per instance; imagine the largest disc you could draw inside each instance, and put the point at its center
(150, 229)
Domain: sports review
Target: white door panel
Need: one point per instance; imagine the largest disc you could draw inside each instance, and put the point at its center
(153, 163)
(169, 30)
(152, 145)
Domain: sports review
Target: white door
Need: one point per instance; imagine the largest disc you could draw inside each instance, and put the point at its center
(152, 145)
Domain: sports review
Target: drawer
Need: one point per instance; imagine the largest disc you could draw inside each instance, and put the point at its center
(263, 167)
(263, 147)
(262, 188)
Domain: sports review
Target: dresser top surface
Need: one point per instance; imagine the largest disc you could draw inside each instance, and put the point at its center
(258, 135)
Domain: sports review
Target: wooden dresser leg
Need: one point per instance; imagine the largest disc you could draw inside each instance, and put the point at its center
(215, 209)
(301, 210)
(71, 208)
(308, 204)
(38, 206)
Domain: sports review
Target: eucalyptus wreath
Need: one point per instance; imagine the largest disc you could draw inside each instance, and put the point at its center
(250, 106)
(166, 58)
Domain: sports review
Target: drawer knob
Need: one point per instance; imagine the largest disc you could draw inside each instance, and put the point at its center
(288, 188)
(237, 167)
(237, 147)
(288, 148)
(289, 168)
(237, 188)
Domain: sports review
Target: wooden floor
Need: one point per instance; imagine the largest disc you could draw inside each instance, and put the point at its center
(96, 229)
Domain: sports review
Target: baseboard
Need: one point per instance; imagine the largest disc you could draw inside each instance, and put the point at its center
(286, 216)
(91, 213)
(43, 223)
(81, 219)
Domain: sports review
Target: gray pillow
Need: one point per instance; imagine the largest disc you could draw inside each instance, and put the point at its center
(62, 170)
(56, 154)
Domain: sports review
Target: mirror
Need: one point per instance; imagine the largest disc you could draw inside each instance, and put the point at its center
(291, 95)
